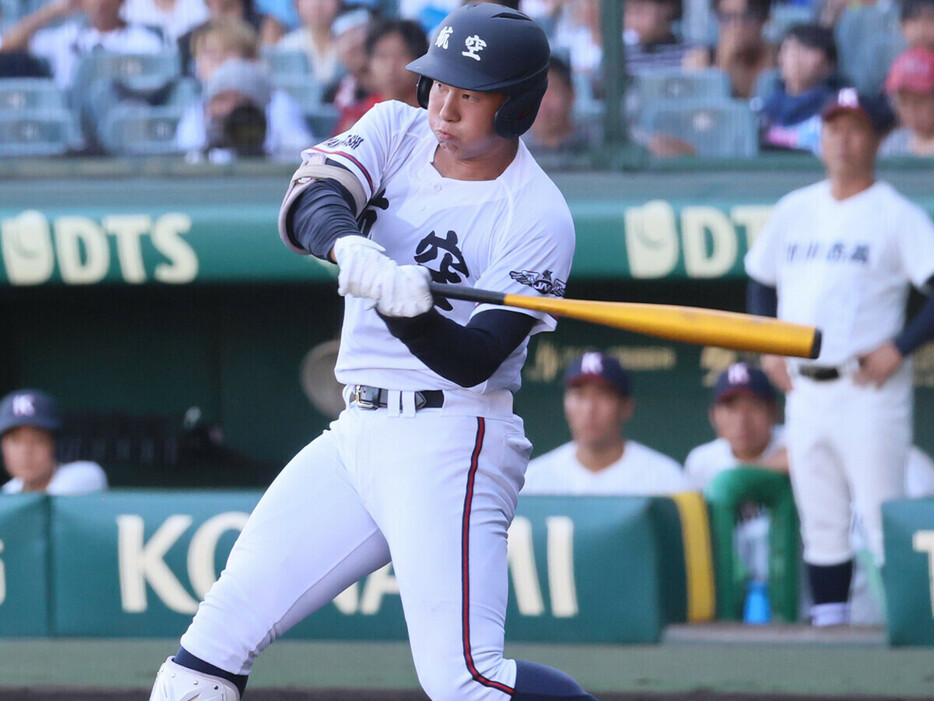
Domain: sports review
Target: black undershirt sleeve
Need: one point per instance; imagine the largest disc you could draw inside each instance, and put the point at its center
(321, 215)
(920, 329)
(467, 355)
(761, 300)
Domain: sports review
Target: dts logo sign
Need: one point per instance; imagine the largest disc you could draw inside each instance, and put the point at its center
(129, 247)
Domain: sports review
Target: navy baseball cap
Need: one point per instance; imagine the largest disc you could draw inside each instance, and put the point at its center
(29, 407)
(875, 111)
(742, 379)
(594, 366)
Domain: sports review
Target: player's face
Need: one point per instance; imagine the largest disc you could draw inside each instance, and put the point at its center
(746, 424)
(915, 111)
(596, 413)
(29, 453)
(848, 145)
(462, 121)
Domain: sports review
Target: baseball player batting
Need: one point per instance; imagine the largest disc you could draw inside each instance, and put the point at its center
(424, 466)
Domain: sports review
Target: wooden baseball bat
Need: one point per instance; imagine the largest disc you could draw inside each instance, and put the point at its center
(678, 323)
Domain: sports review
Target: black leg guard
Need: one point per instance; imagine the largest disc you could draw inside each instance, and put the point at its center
(831, 583)
(536, 682)
(186, 659)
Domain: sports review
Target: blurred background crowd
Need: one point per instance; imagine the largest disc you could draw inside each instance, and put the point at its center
(209, 80)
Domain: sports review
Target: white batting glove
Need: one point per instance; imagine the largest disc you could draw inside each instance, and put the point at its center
(363, 268)
(406, 292)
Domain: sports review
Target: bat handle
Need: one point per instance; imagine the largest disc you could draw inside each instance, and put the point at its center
(468, 294)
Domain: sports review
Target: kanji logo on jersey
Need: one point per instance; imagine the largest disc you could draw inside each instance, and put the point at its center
(474, 44)
(452, 268)
(540, 282)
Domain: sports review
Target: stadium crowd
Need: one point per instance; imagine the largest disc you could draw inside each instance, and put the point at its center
(707, 77)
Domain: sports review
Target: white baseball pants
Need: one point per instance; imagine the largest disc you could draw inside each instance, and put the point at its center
(434, 491)
(847, 447)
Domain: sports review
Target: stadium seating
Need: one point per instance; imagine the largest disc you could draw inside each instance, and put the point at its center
(139, 130)
(681, 84)
(715, 128)
(27, 94)
(37, 132)
(285, 64)
(139, 73)
(322, 119)
(303, 89)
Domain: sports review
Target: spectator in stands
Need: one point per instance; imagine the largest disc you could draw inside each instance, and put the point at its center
(267, 29)
(910, 87)
(29, 422)
(233, 78)
(64, 45)
(918, 23)
(350, 92)
(649, 36)
(390, 46)
(807, 62)
(868, 40)
(314, 37)
(741, 50)
(554, 132)
(172, 18)
(573, 28)
(600, 459)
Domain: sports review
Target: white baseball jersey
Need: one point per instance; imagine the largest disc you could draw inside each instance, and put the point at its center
(513, 234)
(708, 460)
(69, 479)
(640, 471)
(844, 266)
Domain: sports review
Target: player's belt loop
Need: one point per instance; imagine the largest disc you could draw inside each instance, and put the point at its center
(367, 397)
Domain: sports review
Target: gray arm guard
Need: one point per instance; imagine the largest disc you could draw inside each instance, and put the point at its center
(313, 169)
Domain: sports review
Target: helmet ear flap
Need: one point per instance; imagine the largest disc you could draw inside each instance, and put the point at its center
(516, 114)
(422, 88)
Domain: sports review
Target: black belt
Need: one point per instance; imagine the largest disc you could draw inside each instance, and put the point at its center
(819, 373)
(367, 397)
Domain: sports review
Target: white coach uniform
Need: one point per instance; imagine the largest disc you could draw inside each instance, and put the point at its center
(845, 267)
(433, 489)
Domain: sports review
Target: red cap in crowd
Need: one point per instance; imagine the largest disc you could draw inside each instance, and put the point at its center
(913, 70)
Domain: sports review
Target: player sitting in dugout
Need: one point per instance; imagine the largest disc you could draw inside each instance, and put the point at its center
(600, 459)
(29, 423)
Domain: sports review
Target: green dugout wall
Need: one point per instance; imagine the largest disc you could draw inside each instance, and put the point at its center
(153, 292)
(136, 563)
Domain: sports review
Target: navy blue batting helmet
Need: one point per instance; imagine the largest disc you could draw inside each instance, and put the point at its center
(489, 48)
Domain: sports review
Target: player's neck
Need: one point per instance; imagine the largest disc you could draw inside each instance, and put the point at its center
(843, 188)
(488, 165)
(599, 457)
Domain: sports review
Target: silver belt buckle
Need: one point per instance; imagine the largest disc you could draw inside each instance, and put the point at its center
(365, 397)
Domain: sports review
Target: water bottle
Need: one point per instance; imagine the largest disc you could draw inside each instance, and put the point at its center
(758, 610)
